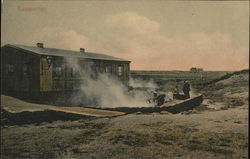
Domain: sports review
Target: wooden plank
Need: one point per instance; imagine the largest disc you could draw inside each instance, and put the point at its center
(88, 111)
(14, 105)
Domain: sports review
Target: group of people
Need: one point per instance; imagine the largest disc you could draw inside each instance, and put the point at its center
(159, 98)
(185, 89)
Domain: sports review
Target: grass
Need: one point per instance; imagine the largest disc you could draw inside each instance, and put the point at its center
(73, 139)
(157, 124)
(182, 139)
(45, 141)
(167, 76)
(225, 89)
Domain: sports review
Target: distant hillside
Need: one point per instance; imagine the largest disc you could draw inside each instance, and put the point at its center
(231, 89)
(175, 76)
(227, 76)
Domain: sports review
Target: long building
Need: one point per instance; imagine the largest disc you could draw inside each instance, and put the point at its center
(37, 69)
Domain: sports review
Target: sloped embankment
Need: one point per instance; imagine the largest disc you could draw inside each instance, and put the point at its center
(231, 89)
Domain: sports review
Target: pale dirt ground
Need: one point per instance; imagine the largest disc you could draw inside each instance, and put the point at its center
(218, 129)
(15, 105)
(12, 104)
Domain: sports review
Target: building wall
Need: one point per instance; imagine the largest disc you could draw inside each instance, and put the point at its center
(19, 71)
(23, 71)
(124, 77)
(65, 81)
(45, 75)
(49, 81)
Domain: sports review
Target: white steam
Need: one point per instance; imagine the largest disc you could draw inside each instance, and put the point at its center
(103, 90)
(141, 83)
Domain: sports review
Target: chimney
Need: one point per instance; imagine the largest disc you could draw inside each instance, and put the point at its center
(82, 50)
(39, 45)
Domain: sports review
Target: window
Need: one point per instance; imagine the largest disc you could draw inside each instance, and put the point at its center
(108, 69)
(9, 68)
(93, 71)
(49, 60)
(25, 69)
(120, 70)
(75, 72)
(95, 68)
(57, 70)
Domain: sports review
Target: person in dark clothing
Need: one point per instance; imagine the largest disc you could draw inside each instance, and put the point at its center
(175, 92)
(186, 89)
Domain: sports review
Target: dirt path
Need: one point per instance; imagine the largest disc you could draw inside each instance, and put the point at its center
(14, 105)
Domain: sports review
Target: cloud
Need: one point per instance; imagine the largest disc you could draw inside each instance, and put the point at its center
(137, 38)
(132, 23)
(56, 38)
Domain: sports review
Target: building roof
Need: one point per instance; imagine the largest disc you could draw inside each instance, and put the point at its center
(65, 53)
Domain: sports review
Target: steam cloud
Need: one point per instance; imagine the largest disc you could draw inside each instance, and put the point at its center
(102, 90)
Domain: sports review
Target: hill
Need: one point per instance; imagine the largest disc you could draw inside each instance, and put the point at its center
(231, 89)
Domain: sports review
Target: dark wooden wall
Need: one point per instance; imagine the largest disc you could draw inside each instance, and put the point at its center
(19, 71)
(38, 75)
(67, 82)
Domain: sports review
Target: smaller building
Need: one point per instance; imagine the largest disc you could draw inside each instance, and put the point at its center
(194, 69)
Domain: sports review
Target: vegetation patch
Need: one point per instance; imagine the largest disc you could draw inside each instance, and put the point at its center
(47, 140)
(234, 102)
(140, 139)
(130, 138)
(210, 148)
(157, 124)
(222, 143)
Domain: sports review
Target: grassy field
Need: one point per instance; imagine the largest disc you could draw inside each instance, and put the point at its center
(176, 76)
(196, 136)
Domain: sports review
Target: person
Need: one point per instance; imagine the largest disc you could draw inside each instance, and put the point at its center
(175, 92)
(186, 89)
(152, 99)
(159, 99)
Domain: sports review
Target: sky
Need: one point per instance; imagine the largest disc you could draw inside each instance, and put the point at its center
(154, 35)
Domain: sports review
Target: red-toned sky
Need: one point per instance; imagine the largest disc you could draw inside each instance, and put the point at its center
(154, 35)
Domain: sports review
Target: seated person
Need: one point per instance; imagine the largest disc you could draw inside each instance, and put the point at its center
(177, 95)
